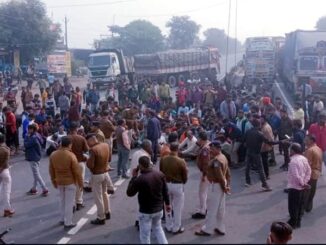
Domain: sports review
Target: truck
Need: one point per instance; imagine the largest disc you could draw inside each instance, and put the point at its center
(304, 57)
(110, 65)
(260, 59)
(179, 65)
(59, 63)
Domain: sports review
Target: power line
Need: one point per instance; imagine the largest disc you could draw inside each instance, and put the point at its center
(91, 4)
(175, 13)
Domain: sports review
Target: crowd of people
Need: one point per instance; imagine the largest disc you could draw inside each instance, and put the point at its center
(218, 128)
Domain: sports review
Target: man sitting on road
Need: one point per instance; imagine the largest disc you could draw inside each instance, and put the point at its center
(188, 147)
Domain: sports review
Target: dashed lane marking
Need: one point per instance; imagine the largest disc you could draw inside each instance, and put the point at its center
(83, 221)
(92, 210)
(64, 240)
(79, 225)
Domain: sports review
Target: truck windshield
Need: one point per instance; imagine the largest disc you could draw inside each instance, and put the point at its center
(308, 63)
(99, 60)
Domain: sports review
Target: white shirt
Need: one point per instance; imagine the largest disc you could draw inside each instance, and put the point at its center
(318, 106)
(191, 144)
(135, 157)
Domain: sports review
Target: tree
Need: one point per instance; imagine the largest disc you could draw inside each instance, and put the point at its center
(217, 38)
(183, 32)
(321, 24)
(25, 25)
(138, 37)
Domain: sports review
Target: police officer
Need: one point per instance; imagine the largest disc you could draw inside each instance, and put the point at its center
(175, 170)
(218, 176)
(202, 163)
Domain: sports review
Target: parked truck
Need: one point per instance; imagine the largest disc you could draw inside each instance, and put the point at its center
(260, 59)
(59, 63)
(110, 65)
(304, 56)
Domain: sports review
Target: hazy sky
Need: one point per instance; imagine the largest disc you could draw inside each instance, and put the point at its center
(88, 19)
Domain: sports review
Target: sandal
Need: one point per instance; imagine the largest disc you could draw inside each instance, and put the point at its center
(202, 233)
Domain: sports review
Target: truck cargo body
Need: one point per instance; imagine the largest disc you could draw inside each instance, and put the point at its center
(107, 66)
(304, 55)
(59, 63)
(179, 64)
(260, 62)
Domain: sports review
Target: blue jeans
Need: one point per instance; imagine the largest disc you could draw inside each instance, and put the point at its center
(35, 166)
(123, 157)
(148, 222)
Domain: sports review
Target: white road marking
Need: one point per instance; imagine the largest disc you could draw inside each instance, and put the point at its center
(79, 225)
(83, 221)
(119, 182)
(64, 240)
(285, 99)
(92, 210)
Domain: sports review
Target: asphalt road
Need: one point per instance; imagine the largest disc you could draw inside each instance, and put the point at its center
(249, 211)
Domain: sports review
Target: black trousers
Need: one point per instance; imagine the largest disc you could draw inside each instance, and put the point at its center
(155, 150)
(295, 206)
(285, 147)
(264, 158)
(309, 195)
(255, 159)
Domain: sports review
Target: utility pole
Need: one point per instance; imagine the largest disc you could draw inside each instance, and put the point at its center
(236, 32)
(66, 32)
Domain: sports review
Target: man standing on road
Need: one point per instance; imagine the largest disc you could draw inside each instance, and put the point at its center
(298, 176)
(175, 170)
(146, 150)
(254, 140)
(79, 148)
(108, 129)
(65, 175)
(218, 175)
(319, 131)
(315, 159)
(123, 145)
(33, 154)
(153, 133)
(152, 195)
(5, 177)
(285, 131)
(202, 163)
(98, 165)
(63, 104)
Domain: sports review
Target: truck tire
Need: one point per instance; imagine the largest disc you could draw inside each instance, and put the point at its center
(181, 77)
(172, 81)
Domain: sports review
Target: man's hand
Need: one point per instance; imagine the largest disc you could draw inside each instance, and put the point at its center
(135, 172)
(168, 208)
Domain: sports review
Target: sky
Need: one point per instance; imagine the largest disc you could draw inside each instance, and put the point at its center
(88, 19)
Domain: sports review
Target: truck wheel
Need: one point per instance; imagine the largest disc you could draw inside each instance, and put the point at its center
(181, 77)
(172, 81)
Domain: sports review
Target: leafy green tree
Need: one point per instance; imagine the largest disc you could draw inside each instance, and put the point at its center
(217, 38)
(321, 24)
(138, 37)
(25, 25)
(183, 32)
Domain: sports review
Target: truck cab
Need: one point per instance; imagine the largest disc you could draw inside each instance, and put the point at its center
(104, 68)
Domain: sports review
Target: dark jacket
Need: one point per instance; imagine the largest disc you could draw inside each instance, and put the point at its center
(254, 140)
(233, 132)
(32, 148)
(152, 191)
(153, 129)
